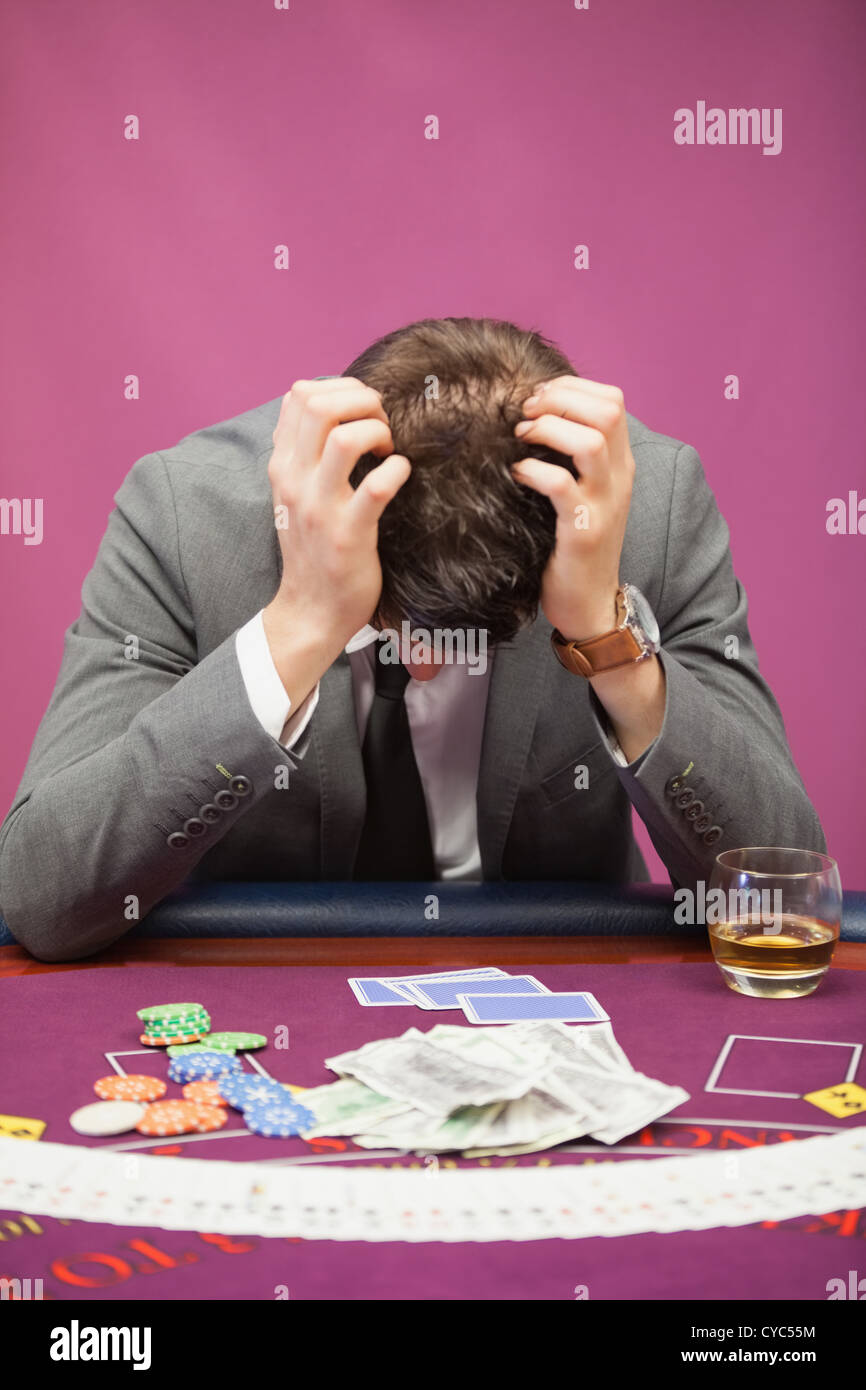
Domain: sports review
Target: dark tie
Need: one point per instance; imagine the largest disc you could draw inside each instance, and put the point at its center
(395, 840)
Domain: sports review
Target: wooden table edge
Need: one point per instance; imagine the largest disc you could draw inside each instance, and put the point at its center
(395, 952)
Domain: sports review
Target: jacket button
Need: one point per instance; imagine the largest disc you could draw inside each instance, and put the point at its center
(714, 833)
(702, 823)
(225, 799)
(241, 786)
(685, 798)
(194, 827)
(209, 813)
(693, 811)
(673, 786)
(177, 840)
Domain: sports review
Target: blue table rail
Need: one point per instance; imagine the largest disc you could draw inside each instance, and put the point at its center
(406, 909)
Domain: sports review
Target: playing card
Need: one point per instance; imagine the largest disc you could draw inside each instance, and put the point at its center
(439, 1202)
(383, 991)
(443, 994)
(498, 1008)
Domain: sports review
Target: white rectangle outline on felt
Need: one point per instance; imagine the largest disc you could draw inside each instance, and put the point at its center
(856, 1052)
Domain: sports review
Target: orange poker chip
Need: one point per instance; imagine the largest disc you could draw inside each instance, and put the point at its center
(208, 1117)
(176, 1038)
(166, 1117)
(129, 1088)
(203, 1092)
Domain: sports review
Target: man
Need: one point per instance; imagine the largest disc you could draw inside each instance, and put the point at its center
(231, 704)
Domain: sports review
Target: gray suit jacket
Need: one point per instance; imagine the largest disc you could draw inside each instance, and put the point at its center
(129, 749)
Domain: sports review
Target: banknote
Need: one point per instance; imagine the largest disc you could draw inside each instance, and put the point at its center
(349, 1107)
(505, 1090)
(438, 1078)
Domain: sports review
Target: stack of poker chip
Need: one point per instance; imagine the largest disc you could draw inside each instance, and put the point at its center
(201, 1110)
(165, 1024)
(268, 1108)
(203, 1066)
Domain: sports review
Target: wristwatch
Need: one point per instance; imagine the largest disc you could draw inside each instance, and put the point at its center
(635, 637)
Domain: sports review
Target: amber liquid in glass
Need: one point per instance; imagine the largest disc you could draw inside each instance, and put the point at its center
(779, 961)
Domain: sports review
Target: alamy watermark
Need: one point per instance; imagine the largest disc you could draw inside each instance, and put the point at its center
(22, 516)
(18, 1290)
(713, 125)
(756, 905)
(456, 646)
(77, 1343)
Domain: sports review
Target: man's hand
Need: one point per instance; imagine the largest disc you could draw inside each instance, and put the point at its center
(328, 531)
(585, 420)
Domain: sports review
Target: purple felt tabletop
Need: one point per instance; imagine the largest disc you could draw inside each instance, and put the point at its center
(678, 1023)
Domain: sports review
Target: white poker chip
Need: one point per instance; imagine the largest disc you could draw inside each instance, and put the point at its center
(107, 1117)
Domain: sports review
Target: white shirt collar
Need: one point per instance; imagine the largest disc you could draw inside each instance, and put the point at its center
(362, 638)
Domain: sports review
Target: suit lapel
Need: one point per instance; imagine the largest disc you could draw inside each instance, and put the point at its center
(341, 770)
(516, 683)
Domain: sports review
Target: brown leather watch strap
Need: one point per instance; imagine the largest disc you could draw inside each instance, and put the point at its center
(611, 649)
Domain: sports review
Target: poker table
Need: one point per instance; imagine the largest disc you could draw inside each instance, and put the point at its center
(746, 1064)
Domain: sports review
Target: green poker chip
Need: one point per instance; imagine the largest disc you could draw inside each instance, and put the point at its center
(178, 1035)
(172, 1025)
(165, 1025)
(182, 1049)
(235, 1042)
(186, 1034)
(159, 1013)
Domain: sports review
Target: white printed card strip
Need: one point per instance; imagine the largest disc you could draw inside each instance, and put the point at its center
(347, 1202)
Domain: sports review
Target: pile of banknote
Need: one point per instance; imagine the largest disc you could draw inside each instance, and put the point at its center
(488, 1091)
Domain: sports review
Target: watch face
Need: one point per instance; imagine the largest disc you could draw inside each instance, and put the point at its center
(642, 617)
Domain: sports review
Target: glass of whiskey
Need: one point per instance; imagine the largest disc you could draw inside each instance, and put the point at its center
(773, 919)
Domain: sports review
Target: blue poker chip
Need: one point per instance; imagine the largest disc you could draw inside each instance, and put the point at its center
(202, 1066)
(241, 1089)
(278, 1120)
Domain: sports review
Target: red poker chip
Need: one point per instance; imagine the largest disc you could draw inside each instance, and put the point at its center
(173, 1040)
(129, 1088)
(203, 1092)
(166, 1117)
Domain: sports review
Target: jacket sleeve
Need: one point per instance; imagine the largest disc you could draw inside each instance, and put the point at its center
(138, 736)
(720, 774)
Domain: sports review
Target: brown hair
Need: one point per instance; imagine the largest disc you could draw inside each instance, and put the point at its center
(462, 544)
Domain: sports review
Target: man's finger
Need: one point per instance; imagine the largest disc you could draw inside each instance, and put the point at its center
(598, 388)
(378, 488)
(323, 410)
(299, 391)
(345, 445)
(600, 412)
(585, 445)
(553, 482)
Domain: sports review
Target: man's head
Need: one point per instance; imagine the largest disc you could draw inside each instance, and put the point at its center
(462, 545)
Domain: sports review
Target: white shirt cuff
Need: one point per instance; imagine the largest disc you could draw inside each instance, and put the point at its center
(613, 743)
(265, 691)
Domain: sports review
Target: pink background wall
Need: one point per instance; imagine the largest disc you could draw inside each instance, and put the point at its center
(262, 126)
